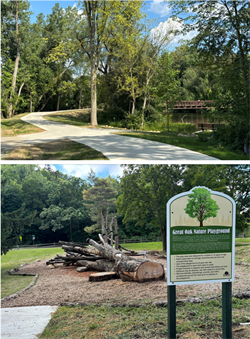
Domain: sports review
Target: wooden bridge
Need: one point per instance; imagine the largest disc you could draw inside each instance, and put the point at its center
(198, 104)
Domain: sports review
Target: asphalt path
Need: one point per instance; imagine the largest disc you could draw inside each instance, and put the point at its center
(114, 147)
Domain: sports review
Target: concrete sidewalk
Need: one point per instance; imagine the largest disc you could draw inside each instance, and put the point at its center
(25, 322)
(114, 147)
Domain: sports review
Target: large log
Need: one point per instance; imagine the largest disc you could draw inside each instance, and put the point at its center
(102, 265)
(129, 268)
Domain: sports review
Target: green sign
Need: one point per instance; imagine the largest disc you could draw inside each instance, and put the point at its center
(200, 237)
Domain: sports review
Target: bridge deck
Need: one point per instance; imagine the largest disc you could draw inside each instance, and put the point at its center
(198, 104)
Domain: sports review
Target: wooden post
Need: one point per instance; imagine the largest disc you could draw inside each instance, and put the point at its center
(172, 312)
(226, 310)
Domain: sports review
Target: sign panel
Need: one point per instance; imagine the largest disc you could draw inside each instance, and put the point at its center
(200, 237)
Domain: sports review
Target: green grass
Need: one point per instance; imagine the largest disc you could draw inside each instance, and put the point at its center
(64, 149)
(15, 258)
(192, 144)
(242, 240)
(150, 246)
(144, 322)
(14, 126)
(79, 117)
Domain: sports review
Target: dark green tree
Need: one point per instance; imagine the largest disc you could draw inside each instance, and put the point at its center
(101, 201)
(145, 191)
(12, 225)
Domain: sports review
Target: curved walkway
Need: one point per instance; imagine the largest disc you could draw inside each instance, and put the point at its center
(114, 147)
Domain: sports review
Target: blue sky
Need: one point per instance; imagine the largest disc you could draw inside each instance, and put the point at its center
(155, 9)
(82, 171)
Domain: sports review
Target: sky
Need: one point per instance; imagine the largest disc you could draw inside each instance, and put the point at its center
(157, 10)
(82, 171)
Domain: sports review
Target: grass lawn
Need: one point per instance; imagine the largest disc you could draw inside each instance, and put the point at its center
(14, 126)
(192, 144)
(150, 246)
(80, 117)
(64, 149)
(15, 258)
(242, 240)
(193, 321)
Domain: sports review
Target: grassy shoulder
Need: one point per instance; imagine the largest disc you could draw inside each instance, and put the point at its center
(192, 144)
(64, 149)
(80, 117)
(14, 259)
(193, 321)
(15, 126)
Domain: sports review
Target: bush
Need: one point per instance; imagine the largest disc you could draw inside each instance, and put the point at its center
(133, 121)
(204, 137)
(232, 136)
(182, 128)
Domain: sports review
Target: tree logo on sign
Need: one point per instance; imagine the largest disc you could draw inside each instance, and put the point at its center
(201, 206)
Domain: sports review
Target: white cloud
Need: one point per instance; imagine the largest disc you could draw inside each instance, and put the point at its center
(159, 7)
(164, 28)
(82, 171)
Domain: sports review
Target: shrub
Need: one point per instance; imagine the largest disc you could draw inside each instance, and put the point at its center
(133, 121)
(204, 137)
(182, 127)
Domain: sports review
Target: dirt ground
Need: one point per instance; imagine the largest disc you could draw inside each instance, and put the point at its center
(66, 285)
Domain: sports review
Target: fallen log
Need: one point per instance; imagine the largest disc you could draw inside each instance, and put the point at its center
(104, 258)
(129, 268)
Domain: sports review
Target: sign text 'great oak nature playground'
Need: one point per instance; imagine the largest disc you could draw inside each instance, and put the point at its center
(200, 237)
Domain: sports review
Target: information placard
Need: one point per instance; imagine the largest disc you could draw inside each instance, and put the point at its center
(200, 237)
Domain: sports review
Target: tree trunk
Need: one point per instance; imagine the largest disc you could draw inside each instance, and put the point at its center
(80, 99)
(201, 223)
(31, 103)
(130, 269)
(10, 108)
(102, 265)
(92, 31)
(116, 235)
(58, 104)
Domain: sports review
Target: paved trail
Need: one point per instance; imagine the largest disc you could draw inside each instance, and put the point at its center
(114, 147)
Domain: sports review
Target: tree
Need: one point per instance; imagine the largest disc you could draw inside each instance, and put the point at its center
(101, 201)
(15, 22)
(65, 212)
(108, 24)
(12, 225)
(145, 191)
(201, 206)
